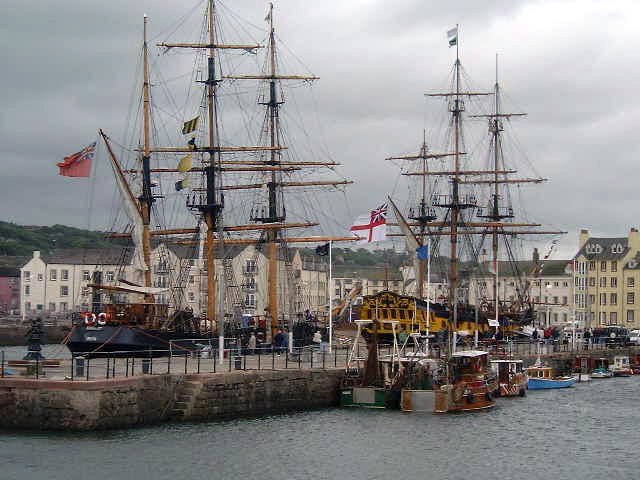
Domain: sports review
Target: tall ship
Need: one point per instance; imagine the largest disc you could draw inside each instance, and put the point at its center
(241, 183)
(461, 228)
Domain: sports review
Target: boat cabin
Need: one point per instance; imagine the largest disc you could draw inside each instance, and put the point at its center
(469, 362)
(540, 372)
(505, 369)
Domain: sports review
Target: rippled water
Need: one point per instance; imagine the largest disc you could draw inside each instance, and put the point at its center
(590, 431)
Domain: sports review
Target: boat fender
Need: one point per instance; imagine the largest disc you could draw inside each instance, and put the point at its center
(90, 319)
(102, 318)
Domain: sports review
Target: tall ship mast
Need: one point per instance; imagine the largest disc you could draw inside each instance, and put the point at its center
(220, 174)
(475, 208)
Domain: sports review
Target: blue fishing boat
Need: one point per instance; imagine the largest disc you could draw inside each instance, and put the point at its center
(542, 378)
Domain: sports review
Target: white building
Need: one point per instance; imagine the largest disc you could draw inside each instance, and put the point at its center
(58, 283)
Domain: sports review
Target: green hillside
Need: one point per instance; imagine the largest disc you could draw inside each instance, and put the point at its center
(24, 239)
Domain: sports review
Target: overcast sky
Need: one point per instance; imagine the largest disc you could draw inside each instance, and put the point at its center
(69, 68)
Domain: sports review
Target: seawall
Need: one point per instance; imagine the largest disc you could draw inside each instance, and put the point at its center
(143, 400)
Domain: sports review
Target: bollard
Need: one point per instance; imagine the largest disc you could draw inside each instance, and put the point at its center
(79, 364)
(146, 363)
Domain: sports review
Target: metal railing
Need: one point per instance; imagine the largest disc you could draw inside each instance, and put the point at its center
(99, 366)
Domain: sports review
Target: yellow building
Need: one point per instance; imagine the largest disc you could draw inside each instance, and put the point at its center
(607, 280)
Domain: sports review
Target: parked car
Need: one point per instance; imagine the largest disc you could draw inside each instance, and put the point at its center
(634, 337)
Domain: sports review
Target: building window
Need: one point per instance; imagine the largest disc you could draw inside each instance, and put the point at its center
(537, 299)
(110, 276)
(53, 275)
(64, 306)
(26, 276)
(630, 282)
(592, 265)
(250, 266)
(39, 307)
(613, 318)
(592, 281)
(86, 275)
(64, 275)
(614, 266)
(192, 279)
(603, 266)
(250, 300)
(603, 318)
(603, 282)
(630, 298)
(64, 291)
(27, 290)
(192, 262)
(40, 277)
(565, 284)
(592, 299)
(192, 297)
(603, 299)
(564, 300)
(555, 300)
(614, 282)
(27, 306)
(614, 299)
(52, 307)
(564, 317)
(630, 316)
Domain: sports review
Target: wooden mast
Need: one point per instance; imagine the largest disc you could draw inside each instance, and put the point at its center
(272, 236)
(146, 199)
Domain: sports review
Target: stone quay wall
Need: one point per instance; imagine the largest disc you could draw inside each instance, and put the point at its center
(148, 399)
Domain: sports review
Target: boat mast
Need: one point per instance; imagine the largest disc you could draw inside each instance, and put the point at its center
(456, 110)
(272, 235)
(146, 199)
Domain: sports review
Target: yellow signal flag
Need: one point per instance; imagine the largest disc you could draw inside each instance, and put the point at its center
(190, 126)
(185, 164)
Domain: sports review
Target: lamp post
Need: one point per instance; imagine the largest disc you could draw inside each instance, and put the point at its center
(548, 305)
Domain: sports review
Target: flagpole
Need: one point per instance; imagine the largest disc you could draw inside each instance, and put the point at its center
(330, 303)
(428, 291)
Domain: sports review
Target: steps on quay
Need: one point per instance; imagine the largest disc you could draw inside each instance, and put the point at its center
(185, 396)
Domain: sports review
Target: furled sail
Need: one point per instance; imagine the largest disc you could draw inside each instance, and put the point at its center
(132, 209)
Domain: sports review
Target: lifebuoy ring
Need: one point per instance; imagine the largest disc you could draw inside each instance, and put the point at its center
(90, 319)
(102, 318)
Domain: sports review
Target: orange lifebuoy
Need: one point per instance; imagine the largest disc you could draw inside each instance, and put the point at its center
(89, 319)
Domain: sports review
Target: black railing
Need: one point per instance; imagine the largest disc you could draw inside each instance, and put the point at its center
(105, 366)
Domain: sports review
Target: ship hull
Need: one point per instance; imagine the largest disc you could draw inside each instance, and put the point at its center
(129, 340)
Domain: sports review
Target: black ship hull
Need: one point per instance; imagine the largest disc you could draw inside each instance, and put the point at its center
(130, 340)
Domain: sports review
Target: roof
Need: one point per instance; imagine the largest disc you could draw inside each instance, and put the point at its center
(604, 248)
(10, 265)
(89, 256)
(369, 273)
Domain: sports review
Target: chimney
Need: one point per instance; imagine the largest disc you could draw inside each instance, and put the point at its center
(634, 240)
(36, 254)
(584, 236)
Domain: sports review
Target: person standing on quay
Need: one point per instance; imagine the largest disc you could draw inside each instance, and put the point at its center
(279, 341)
(252, 343)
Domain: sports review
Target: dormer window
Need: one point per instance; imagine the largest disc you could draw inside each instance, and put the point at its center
(617, 248)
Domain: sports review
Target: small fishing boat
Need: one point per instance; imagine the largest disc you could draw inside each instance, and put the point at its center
(512, 377)
(541, 377)
(621, 366)
(601, 368)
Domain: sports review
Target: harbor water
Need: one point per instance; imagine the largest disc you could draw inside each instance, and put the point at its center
(589, 431)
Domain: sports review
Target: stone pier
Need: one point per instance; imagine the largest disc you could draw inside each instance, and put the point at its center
(147, 399)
